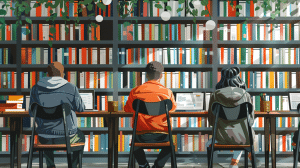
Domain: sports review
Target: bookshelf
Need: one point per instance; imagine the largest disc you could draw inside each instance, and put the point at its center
(109, 39)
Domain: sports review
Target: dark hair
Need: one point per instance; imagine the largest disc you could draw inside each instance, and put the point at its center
(55, 69)
(230, 77)
(154, 70)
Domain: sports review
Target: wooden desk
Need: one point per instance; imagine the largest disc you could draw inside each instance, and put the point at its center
(113, 130)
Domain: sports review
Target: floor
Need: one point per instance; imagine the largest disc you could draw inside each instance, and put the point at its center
(182, 162)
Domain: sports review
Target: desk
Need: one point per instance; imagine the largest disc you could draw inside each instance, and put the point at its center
(113, 130)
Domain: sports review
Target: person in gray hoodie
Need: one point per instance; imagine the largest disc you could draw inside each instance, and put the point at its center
(231, 92)
(52, 91)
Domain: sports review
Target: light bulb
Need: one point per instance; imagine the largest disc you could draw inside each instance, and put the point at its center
(196, 4)
(99, 18)
(210, 25)
(106, 2)
(165, 16)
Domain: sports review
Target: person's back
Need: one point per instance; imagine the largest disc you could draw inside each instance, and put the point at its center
(52, 91)
(231, 92)
(151, 129)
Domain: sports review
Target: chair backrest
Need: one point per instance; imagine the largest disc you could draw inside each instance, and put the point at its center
(50, 113)
(232, 113)
(152, 108)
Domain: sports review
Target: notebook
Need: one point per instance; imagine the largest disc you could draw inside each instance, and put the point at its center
(294, 100)
(88, 98)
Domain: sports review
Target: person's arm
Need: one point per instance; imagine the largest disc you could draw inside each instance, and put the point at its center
(33, 94)
(128, 106)
(211, 117)
(173, 102)
(78, 105)
(252, 114)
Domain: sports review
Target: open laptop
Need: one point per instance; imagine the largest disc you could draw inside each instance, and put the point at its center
(88, 98)
(294, 100)
(190, 101)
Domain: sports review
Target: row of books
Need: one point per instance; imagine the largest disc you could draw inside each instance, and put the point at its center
(67, 32)
(249, 9)
(5, 56)
(8, 32)
(164, 32)
(69, 7)
(70, 55)
(169, 79)
(259, 55)
(192, 56)
(183, 143)
(150, 9)
(269, 79)
(258, 32)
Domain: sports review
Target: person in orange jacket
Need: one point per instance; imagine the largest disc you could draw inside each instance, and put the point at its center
(151, 129)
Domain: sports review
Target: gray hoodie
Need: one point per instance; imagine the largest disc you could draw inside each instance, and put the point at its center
(231, 132)
(50, 92)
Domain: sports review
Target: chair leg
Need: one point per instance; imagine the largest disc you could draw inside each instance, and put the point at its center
(69, 158)
(253, 157)
(211, 160)
(41, 159)
(208, 155)
(295, 157)
(246, 159)
(80, 158)
(173, 158)
(130, 157)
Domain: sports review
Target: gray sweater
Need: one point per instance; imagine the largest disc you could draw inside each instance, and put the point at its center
(50, 92)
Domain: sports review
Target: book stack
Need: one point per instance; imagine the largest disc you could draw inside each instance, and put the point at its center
(13, 104)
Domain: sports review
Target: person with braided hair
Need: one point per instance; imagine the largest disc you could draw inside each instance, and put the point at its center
(151, 129)
(231, 92)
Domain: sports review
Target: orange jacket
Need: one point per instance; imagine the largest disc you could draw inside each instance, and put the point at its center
(150, 91)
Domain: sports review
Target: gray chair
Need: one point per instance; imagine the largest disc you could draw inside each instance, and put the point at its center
(153, 109)
(232, 113)
(53, 113)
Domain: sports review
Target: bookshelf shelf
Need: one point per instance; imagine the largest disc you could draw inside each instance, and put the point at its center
(162, 44)
(266, 20)
(97, 91)
(8, 91)
(8, 44)
(167, 68)
(59, 20)
(277, 91)
(259, 67)
(158, 20)
(61, 44)
(127, 91)
(73, 67)
(258, 44)
(8, 67)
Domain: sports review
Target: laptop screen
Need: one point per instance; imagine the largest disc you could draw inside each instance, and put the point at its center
(87, 97)
(294, 100)
(189, 101)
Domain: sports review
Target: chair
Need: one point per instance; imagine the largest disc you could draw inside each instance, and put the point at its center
(296, 144)
(153, 109)
(231, 113)
(53, 113)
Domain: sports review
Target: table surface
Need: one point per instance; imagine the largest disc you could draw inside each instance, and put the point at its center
(172, 114)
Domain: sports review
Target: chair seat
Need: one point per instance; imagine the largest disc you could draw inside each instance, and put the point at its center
(57, 145)
(162, 144)
(229, 146)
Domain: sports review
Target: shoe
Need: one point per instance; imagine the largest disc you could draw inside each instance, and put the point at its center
(233, 166)
(154, 166)
(144, 166)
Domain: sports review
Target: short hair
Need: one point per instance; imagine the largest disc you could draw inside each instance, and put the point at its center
(55, 69)
(230, 77)
(154, 69)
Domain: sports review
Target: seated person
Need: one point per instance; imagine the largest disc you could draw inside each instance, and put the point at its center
(151, 129)
(52, 91)
(231, 92)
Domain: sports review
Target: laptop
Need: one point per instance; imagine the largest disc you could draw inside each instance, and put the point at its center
(294, 100)
(88, 98)
(190, 101)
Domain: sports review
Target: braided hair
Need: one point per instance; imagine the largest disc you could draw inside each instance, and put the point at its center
(230, 77)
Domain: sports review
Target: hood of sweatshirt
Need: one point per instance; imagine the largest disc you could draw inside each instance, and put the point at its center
(230, 96)
(54, 82)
